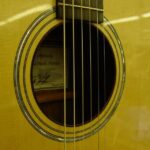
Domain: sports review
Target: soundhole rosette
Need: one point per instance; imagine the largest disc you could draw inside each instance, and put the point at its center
(51, 127)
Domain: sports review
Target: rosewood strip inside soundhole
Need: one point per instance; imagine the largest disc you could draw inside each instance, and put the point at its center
(94, 8)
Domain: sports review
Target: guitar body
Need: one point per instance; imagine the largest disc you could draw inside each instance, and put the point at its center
(21, 129)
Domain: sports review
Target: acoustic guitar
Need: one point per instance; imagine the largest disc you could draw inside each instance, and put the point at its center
(75, 75)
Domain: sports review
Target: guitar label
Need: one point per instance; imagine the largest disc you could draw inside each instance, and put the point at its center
(48, 68)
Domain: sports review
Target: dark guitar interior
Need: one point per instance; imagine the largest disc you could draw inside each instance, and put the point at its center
(99, 75)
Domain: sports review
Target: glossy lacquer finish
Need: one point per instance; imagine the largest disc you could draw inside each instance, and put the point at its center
(129, 127)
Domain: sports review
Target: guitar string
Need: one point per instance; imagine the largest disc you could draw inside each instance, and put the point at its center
(90, 39)
(82, 58)
(64, 47)
(104, 49)
(82, 67)
(98, 74)
(74, 77)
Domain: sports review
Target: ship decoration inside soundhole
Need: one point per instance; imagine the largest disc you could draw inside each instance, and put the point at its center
(94, 76)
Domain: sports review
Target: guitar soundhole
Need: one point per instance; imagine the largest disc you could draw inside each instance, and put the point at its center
(94, 80)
